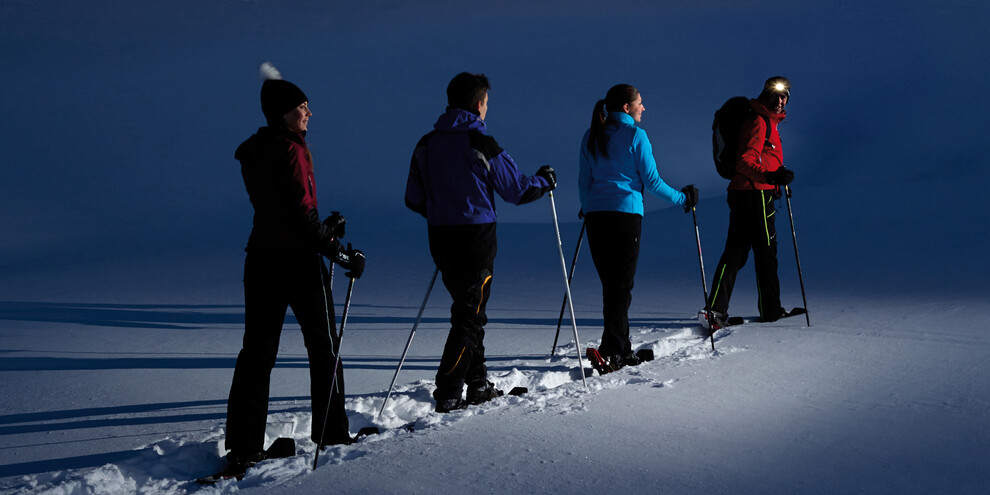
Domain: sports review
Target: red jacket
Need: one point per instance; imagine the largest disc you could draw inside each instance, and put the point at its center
(278, 174)
(755, 157)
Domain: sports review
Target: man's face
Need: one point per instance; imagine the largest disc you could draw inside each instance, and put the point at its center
(483, 107)
(776, 102)
(635, 109)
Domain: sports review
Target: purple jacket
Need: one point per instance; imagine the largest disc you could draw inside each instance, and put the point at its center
(457, 169)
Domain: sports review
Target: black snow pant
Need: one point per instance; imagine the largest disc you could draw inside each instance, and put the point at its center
(465, 255)
(751, 227)
(272, 283)
(613, 238)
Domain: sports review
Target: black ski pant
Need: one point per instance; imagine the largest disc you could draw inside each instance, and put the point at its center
(273, 283)
(613, 238)
(751, 227)
(465, 255)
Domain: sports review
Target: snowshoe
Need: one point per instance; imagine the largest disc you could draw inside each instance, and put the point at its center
(618, 362)
(597, 361)
(645, 355)
(483, 394)
(786, 314)
(445, 406)
(614, 362)
(719, 320)
(517, 391)
(367, 431)
(236, 467)
(280, 448)
(344, 438)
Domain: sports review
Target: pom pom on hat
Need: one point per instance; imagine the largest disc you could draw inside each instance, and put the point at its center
(278, 96)
(268, 71)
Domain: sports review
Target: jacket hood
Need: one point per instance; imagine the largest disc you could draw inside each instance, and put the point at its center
(458, 120)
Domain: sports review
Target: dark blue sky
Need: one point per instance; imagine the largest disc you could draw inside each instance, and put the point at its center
(120, 119)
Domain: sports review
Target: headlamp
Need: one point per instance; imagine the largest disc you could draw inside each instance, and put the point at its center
(778, 85)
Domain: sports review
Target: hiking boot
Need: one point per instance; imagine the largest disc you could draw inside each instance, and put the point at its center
(718, 320)
(236, 468)
(340, 440)
(445, 406)
(623, 361)
(485, 393)
(614, 362)
(775, 315)
(238, 464)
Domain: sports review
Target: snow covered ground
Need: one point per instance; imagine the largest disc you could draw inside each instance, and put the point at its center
(124, 221)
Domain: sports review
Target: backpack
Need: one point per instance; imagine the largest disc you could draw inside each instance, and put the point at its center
(725, 133)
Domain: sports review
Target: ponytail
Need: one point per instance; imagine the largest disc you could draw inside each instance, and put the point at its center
(597, 138)
(617, 97)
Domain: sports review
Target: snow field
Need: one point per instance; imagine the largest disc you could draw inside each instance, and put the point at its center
(168, 465)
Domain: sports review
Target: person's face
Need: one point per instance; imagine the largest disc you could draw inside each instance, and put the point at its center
(483, 107)
(298, 119)
(776, 102)
(635, 109)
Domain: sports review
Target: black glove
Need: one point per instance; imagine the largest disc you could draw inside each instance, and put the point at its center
(581, 214)
(551, 177)
(690, 197)
(351, 260)
(335, 224)
(781, 177)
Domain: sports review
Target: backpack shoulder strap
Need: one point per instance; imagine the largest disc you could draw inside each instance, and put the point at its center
(766, 135)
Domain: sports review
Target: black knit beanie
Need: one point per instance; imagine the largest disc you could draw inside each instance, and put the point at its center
(278, 96)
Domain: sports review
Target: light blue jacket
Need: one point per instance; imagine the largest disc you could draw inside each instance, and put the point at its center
(617, 183)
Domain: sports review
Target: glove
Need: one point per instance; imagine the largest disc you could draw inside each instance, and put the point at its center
(335, 224)
(551, 177)
(581, 214)
(690, 197)
(351, 260)
(781, 177)
(357, 264)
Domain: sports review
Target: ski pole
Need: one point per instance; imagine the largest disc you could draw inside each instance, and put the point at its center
(567, 286)
(570, 276)
(336, 365)
(787, 195)
(704, 280)
(327, 281)
(419, 316)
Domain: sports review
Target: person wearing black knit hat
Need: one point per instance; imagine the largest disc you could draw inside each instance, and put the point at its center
(279, 97)
(284, 268)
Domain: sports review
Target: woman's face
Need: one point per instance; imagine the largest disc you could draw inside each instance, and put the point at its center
(635, 109)
(298, 119)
